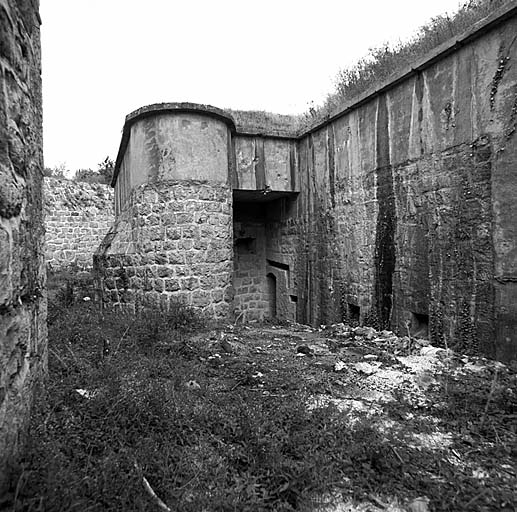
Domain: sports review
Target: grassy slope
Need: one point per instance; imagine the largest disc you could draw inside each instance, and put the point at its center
(388, 59)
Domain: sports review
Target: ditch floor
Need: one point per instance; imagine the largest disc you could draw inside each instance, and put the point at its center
(143, 415)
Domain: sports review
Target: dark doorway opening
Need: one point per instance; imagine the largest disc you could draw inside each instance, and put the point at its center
(419, 325)
(354, 314)
(271, 294)
(245, 245)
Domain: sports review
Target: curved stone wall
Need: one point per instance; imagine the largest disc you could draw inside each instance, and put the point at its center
(172, 240)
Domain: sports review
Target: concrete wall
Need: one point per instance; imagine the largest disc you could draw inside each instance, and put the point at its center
(264, 163)
(406, 206)
(397, 211)
(171, 142)
(77, 217)
(22, 272)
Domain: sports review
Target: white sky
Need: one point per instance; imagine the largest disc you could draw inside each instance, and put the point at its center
(104, 58)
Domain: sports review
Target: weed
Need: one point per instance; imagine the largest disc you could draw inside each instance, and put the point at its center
(111, 419)
(387, 60)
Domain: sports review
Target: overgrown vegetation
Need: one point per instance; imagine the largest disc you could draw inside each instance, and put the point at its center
(388, 59)
(147, 403)
(102, 174)
(215, 426)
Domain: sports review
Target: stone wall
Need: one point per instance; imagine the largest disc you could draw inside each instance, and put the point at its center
(77, 217)
(22, 272)
(172, 243)
(172, 237)
(249, 263)
(282, 258)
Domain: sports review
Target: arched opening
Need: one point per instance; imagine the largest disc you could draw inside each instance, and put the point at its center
(271, 294)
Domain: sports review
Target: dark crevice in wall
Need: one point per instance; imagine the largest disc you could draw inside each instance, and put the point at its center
(232, 162)
(260, 164)
(386, 220)
(419, 93)
(272, 295)
(292, 165)
(331, 164)
(504, 57)
(277, 264)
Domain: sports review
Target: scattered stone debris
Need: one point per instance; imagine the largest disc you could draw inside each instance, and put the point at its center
(192, 385)
(376, 375)
(434, 430)
(85, 393)
(304, 350)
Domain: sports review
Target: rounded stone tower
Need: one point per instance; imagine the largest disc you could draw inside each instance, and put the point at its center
(172, 236)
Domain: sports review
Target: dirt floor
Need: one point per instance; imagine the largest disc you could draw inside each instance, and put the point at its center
(447, 418)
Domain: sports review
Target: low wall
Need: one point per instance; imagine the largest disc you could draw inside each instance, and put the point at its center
(77, 217)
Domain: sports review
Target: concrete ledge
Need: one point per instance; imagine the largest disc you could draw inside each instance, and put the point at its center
(164, 108)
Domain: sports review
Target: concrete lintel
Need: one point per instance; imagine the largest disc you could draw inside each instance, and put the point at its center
(260, 196)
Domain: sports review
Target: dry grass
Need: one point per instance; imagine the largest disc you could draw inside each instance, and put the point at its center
(388, 59)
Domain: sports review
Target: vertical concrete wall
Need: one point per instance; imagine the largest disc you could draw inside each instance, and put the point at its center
(407, 202)
(264, 162)
(22, 274)
(398, 211)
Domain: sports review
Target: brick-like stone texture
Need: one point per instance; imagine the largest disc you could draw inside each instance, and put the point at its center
(172, 243)
(22, 270)
(77, 217)
(249, 271)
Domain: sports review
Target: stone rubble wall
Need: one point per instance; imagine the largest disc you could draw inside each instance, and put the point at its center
(172, 243)
(77, 217)
(23, 332)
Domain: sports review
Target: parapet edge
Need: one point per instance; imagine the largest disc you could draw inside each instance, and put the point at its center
(244, 122)
(479, 28)
(247, 123)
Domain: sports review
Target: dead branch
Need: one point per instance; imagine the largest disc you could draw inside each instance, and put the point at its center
(377, 501)
(147, 486)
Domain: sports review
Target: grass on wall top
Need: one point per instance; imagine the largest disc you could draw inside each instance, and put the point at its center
(388, 59)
